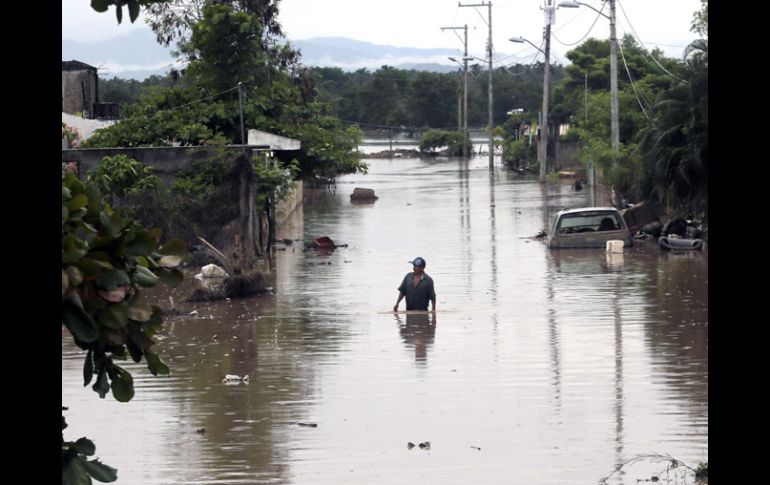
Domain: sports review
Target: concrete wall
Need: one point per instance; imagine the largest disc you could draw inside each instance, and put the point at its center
(285, 208)
(166, 161)
(565, 155)
(73, 85)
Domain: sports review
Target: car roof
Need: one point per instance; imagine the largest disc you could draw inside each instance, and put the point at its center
(587, 209)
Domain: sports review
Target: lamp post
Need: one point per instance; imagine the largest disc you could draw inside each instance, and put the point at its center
(542, 146)
(615, 124)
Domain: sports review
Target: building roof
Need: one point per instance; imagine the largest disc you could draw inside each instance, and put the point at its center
(75, 66)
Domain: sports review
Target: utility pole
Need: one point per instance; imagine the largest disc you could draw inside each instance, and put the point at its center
(614, 118)
(489, 95)
(542, 147)
(240, 105)
(614, 81)
(465, 87)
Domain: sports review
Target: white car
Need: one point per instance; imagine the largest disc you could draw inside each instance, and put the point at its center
(588, 227)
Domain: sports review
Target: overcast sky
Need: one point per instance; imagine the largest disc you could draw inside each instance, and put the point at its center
(417, 23)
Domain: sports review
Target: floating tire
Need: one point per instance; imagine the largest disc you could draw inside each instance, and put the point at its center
(680, 244)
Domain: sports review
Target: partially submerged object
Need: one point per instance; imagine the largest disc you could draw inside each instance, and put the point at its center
(235, 379)
(681, 244)
(588, 227)
(363, 195)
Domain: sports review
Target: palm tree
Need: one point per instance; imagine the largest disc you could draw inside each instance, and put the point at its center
(675, 145)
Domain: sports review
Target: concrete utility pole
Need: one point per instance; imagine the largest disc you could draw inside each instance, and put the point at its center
(489, 95)
(465, 87)
(614, 112)
(542, 145)
(614, 80)
(549, 19)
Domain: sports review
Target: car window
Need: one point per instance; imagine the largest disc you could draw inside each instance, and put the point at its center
(588, 222)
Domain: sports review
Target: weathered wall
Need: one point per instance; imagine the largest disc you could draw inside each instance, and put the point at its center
(166, 161)
(564, 155)
(285, 208)
(74, 86)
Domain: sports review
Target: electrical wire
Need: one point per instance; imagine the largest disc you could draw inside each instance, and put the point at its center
(633, 86)
(645, 50)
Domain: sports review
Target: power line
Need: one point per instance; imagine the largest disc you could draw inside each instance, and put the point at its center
(586, 34)
(643, 49)
(633, 86)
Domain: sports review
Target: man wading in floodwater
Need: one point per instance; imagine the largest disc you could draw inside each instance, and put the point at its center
(417, 287)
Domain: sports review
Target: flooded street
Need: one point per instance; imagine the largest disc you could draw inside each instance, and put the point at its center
(539, 367)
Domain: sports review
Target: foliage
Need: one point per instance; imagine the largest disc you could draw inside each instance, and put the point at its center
(700, 20)
(435, 139)
(70, 135)
(391, 97)
(129, 91)
(106, 260)
(120, 175)
(273, 178)
(228, 44)
(76, 467)
(675, 145)
(133, 7)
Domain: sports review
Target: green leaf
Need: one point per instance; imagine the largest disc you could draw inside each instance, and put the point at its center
(74, 472)
(175, 247)
(84, 446)
(145, 277)
(77, 202)
(88, 369)
(156, 365)
(141, 244)
(101, 385)
(110, 280)
(114, 316)
(106, 222)
(122, 385)
(101, 472)
(170, 261)
(171, 277)
(139, 313)
(133, 10)
(74, 276)
(100, 5)
(78, 322)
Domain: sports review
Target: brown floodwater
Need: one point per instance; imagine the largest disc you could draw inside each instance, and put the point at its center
(547, 367)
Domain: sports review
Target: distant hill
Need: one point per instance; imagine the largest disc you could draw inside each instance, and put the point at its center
(350, 55)
(137, 55)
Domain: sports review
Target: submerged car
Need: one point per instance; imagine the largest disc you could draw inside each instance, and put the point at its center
(588, 227)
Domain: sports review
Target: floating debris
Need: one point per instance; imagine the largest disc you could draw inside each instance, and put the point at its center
(233, 379)
(308, 425)
(200, 430)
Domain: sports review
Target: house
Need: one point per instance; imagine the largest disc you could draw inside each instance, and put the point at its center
(80, 92)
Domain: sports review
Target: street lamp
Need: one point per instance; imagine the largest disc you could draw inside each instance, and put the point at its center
(615, 124)
(542, 146)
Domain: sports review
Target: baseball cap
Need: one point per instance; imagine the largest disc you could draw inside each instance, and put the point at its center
(418, 261)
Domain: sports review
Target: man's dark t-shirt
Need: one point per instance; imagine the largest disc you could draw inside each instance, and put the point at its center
(417, 297)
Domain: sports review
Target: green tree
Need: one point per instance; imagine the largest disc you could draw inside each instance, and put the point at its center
(675, 145)
(106, 260)
(432, 140)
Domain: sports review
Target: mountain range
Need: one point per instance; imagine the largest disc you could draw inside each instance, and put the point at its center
(137, 55)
